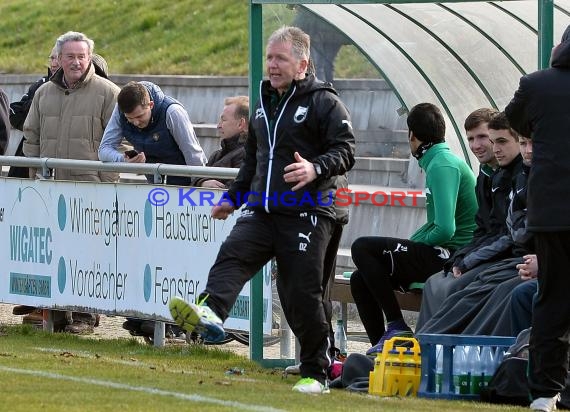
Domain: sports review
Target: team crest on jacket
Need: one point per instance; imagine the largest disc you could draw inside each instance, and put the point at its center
(300, 114)
(259, 113)
(155, 137)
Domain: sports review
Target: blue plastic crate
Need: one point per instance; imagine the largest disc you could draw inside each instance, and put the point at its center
(428, 344)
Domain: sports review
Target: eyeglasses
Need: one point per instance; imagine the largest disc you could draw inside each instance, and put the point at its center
(73, 57)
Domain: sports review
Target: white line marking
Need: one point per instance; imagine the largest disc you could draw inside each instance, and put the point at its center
(144, 389)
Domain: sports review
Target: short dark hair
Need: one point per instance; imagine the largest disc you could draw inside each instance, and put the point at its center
(500, 122)
(132, 95)
(478, 117)
(426, 122)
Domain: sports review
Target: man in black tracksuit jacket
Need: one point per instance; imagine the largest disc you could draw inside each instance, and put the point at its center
(539, 109)
(501, 183)
(300, 139)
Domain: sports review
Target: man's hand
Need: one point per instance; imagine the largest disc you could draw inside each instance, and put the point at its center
(140, 158)
(32, 172)
(300, 172)
(528, 269)
(213, 183)
(222, 211)
(456, 272)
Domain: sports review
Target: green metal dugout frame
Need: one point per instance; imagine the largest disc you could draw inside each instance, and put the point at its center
(393, 29)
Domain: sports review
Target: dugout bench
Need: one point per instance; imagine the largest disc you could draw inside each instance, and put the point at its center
(340, 292)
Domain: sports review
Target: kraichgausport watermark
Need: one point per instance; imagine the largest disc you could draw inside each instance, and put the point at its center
(342, 197)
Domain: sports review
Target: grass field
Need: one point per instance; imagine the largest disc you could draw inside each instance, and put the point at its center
(183, 37)
(56, 372)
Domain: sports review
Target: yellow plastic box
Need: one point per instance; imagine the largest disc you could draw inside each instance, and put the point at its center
(397, 369)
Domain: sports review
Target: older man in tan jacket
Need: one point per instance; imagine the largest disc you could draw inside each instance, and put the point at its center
(66, 120)
(70, 112)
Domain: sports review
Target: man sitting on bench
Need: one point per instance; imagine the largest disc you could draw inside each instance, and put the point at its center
(493, 189)
(384, 264)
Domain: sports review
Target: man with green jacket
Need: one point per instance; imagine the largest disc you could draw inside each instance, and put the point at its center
(384, 264)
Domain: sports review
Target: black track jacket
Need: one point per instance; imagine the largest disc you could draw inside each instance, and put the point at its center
(309, 119)
(540, 109)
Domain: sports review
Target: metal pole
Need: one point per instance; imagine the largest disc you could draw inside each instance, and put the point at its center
(47, 320)
(285, 336)
(545, 32)
(256, 285)
(159, 334)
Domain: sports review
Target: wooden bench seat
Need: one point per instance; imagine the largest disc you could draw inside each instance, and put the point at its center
(341, 293)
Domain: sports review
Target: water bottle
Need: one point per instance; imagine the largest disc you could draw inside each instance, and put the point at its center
(460, 372)
(475, 368)
(340, 337)
(488, 365)
(499, 356)
(438, 368)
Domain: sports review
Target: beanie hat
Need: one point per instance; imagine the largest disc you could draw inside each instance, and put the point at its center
(100, 64)
(559, 57)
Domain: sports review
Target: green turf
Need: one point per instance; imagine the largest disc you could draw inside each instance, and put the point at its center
(56, 372)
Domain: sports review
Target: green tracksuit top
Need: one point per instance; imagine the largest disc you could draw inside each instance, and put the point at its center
(450, 199)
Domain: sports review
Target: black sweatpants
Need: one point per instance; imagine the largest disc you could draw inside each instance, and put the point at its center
(298, 244)
(549, 339)
(329, 270)
(385, 264)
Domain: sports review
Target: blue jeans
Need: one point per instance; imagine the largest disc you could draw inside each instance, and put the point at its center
(522, 301)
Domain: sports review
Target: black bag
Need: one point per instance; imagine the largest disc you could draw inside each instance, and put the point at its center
(355, 373)
(509, 384)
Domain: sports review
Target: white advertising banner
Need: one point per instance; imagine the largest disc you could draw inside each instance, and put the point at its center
(121, 249)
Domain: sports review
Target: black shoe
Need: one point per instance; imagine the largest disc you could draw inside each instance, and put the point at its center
(134, 327)
(145, 328)
(22, 310)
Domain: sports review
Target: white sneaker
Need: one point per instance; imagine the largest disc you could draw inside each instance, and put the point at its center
(293, 369)
(199, 318)
(545, 404)
(310, 385)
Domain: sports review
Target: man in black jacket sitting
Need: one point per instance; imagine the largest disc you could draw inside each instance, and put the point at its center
(492, 190)
(232, 129)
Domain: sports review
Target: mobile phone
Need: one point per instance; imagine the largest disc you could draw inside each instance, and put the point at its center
(131, 153)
